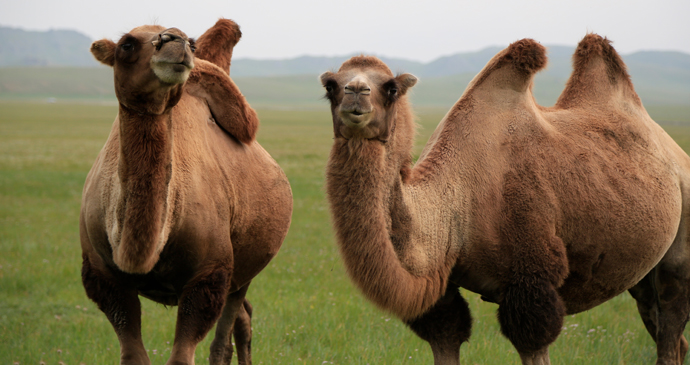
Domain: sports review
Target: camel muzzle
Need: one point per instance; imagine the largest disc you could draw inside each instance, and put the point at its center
(173, 58)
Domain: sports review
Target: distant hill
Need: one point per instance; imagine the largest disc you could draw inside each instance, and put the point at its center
(660, 78)
(444, 66)
(50, 48)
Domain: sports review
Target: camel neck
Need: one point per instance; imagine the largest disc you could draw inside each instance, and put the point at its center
(145, 170)
(372, 220)
(145, 144)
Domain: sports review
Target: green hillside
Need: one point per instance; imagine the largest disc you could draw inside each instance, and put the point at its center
(660, 78)
(662, 92)
(51, 48)
(86, 83)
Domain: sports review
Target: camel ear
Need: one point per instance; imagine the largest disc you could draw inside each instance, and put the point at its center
(406, 81)
(324, 77)
(104, 51)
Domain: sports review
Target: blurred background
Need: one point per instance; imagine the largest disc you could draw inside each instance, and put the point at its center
(57, 105)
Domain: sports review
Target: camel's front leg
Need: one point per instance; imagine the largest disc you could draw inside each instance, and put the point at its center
(540, 357)
(199, 307)
(531, 317)
(445, 326)
(121, 305)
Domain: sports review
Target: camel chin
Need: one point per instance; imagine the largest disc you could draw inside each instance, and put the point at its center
(172, 73)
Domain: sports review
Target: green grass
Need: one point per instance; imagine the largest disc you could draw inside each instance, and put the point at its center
(665, 92)
(306, 309)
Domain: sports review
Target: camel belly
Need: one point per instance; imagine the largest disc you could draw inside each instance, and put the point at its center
(616, 228)
(601, 273)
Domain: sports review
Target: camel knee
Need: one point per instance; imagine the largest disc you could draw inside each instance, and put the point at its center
(531, 316)
(243, 334)
(243, 327)
(201, 304)
(682, 349)
(119, 304)
(446, 325)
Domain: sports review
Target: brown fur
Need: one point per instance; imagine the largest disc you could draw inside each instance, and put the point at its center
(217, 44)
(445, 326)
(545, 211)
(182, 206)
(228, 106)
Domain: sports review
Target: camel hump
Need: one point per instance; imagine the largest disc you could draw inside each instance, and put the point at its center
(511, 69)
(599, 74)
(217, 43)
(228, 106)
(525, 56)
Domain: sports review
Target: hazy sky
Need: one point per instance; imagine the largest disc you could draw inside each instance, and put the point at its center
(413, 29)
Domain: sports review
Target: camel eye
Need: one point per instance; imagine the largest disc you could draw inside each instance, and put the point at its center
(392, 92)
(192, 45)
(329, 88)
(127, 46)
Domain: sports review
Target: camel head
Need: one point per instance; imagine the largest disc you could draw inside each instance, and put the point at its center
(151, 64)
(364, 94)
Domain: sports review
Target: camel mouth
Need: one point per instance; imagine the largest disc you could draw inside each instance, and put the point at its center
(173, 72)
(354, 112)
(356, 118)
(179, 67)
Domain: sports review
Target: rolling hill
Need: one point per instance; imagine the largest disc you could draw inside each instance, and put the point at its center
(57, 64)
(50, 48)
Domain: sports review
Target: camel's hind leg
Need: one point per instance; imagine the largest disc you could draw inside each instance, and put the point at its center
(445, 326)
(243, 334)
(232, 316)
(663, 300)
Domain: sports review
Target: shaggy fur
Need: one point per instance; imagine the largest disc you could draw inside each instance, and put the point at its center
(445, 326)
(218, 43)
(228, 106)
(182, 206)
(545, 211)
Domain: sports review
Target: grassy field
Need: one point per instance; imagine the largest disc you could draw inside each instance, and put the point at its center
(306, 311)
(95, 84)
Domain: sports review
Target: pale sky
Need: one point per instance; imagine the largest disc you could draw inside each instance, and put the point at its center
(413, 29)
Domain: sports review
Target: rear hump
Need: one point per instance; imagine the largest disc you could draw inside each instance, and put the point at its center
(599, 75)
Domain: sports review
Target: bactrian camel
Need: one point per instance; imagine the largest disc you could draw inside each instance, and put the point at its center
(545, 211)
(182, 205)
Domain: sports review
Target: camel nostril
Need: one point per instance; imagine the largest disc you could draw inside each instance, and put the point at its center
(165, 38)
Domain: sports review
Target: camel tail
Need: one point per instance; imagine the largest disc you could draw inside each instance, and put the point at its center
(599, 74)
(217, 43)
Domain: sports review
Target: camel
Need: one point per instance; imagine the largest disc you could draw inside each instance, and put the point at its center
(182, 206)
(544, 211)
